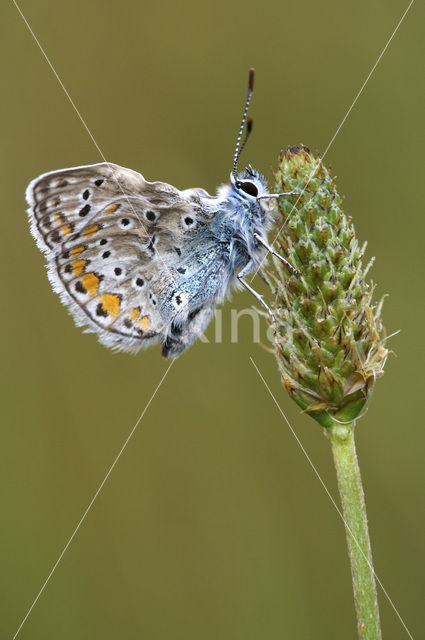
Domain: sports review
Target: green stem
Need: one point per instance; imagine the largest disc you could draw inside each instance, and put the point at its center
(358, 542)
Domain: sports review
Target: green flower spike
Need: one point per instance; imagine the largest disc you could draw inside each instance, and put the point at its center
(328, 339)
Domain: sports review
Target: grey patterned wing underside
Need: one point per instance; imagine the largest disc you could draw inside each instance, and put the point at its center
(114, 243)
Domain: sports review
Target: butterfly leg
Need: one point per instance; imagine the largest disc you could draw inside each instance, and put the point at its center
(274, 253)
(278, 195)
(256, 295)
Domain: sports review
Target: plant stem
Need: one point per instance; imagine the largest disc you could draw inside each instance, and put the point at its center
(358, 542)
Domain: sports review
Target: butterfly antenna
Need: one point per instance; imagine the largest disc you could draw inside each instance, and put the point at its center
(238, 148)
(249, 124)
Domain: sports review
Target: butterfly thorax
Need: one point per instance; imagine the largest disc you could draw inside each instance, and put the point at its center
(241, 218)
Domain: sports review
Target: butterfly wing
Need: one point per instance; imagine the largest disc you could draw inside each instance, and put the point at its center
(114, 242)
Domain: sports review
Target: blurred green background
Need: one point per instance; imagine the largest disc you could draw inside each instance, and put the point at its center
(212, 524)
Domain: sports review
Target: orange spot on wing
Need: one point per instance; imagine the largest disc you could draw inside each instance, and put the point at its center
(90, 283)
(54, 202)
(91, 230)
(78, 266)
(76, 251)
(144, 323)
(110, 303)
(111, 209)
(66, 229)
(134, 314)
(58, 218)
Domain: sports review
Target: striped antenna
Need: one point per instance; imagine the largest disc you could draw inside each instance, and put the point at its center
(238, 148)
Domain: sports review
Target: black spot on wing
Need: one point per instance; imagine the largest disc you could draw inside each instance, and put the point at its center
(100, 311)
(79, 287)
(84, 211)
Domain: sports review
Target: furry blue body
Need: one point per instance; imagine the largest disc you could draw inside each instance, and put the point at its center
(217, 253)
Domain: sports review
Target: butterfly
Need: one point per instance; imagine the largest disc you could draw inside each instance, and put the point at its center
(139, 262)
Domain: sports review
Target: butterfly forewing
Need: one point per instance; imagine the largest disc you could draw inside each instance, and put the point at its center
(114, 242)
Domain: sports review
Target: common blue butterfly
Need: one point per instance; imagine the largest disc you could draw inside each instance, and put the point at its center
(138, 261)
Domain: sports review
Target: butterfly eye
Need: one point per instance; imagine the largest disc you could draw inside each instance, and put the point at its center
(248, 187)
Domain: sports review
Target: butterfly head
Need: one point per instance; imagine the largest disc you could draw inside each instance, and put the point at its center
(249, 184)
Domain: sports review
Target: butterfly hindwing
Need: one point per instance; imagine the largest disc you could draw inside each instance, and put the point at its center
(114, 243)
